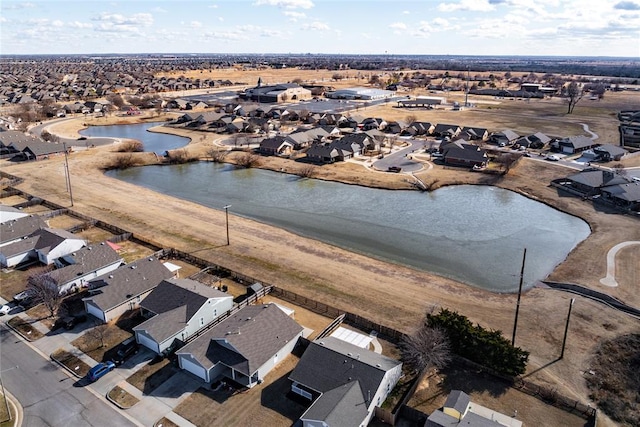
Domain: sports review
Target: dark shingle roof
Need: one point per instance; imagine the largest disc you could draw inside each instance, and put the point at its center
(330, 362)
(128, 281)
(175, 302)
(85, 261)
(343, 406)
(255, 332)
(49, 238)
(597, 178)
(21, 227)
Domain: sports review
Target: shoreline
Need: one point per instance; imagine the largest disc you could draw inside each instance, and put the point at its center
(386, 293)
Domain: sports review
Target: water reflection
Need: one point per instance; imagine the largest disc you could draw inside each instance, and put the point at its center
(474, 234)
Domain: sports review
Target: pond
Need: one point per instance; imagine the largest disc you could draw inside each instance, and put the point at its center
(473, 234)
(152, 141)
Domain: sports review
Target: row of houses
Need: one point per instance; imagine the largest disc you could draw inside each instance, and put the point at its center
(22, 146)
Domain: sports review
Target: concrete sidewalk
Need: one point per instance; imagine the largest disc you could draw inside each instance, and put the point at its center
(150, 408)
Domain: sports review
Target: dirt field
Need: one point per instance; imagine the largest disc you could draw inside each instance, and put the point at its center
(387, 293)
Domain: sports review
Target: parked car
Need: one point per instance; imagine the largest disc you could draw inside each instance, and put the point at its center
(126, 349)
(68, 322)
(5, 309)
(552, 157)
(394, 169)
(100, 370)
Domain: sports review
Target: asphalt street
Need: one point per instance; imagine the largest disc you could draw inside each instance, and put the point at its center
(47, 394)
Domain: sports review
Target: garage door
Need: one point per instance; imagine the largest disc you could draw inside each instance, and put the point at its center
(147, 342)
(192, 367)
(95, 311)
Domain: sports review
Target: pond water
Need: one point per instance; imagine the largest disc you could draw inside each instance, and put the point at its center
(152, 141)
(474, 234)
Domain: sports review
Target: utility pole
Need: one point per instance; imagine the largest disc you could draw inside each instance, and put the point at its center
(226, 214)
(66, 165)
(466, 95)
(515, 322)
(566, 328)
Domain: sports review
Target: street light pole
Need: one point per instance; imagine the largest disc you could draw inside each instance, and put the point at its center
(226, 214)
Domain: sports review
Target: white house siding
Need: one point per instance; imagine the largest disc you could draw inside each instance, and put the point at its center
(213, 308)
(386, 385)
(147, 341)
(14, 260)
(80, 281)
(274, 360)
(189, 364)
(64, 248)
(313, 423)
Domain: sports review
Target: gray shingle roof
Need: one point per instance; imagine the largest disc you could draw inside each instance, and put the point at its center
(175, 302)
(255, 333)
(597, 178)
(330, 362)
(20, 227)
(127, 281)
(85, 261)
(19, 247)
(343, 406)
(50, 238)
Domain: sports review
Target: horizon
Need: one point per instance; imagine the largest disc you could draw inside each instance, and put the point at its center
(494, 28)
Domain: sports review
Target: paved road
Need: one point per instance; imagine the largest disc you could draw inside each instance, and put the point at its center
(37, 130)
(47, 394)
(402, 158)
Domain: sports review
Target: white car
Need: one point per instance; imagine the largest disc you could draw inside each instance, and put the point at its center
(552, 157)
(5, 309)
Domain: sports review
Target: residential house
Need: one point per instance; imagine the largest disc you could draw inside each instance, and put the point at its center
(17, 229)
(276, 146)
(459, 411)
(444, 130)
(343, 382)
(76, 269)
(177, 309)
(590, 182)
(626, 196)
(459, 153)
(244, 347)
(40, 150)
(474, 134)
(9, 213)
(124, 288)
(395, 127)
(504, 138)
(573, 144)
(536, 141)
(609, 152)
(418, 128)
(301, 138)
(43, 244)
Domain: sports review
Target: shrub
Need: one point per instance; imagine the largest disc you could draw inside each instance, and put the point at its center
(179, 156)
(307, 171)
(248, 160)
(485, 347)
(217, 156)
(130, 147)
(123, 161)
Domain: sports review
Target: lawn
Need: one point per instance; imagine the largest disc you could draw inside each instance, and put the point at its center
(95, 234)
(152, 375)
(25, 328)
(264, 404)
(14, 281)
(64, 222)
(6, 412)
(100, 341)
(71, 361)
(122, 398)
(492, 393)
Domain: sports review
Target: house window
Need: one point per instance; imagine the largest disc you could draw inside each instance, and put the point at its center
(215, 312)
(202, 321)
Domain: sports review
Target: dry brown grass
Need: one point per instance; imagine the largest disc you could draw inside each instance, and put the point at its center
(71, 362)
(63, 221)
(122, 398)
(264, 404)
(152, 375)
(25, 328)
(100, 347)
(95, 234)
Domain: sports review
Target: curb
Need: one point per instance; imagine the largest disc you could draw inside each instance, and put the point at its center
(116, 403)
(75, 374)
(26, 338)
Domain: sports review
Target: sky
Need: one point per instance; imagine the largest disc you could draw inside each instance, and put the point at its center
(422, 27)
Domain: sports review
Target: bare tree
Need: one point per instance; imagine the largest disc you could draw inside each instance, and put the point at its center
(249, 160)
(574, 94)
(217, 155)
(426, 348)
(619, 169)
(98, 333)
(411, 118)
(44, 289)
(507, 160)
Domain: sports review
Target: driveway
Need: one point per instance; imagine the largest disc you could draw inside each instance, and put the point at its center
(402, 157)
